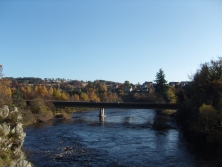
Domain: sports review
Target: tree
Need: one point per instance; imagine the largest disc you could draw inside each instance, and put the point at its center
(23, 91)
(64, 96)
(92, 95)
(151, 95)
(50, 91)
(171, 96)
(5, 93)
(56, 94)
(161, 87)
(103, 97)
(127, 84)
(43, 91)
(41, 111)
(75, 97)
(17, 98)
(29, 92)
(84, 97)
(200, 103)
(208, 84)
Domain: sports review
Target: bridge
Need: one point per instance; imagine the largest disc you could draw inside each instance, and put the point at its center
(115, 105)
(103, 105)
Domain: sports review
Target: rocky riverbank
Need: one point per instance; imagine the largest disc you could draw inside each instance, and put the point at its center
(12, 138)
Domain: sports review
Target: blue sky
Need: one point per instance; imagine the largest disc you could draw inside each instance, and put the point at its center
(114, 40)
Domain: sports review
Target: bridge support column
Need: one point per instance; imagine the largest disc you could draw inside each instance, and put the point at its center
(101, 114)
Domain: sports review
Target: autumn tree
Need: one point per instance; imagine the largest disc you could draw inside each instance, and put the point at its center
(103, 96)
(56, 94)
(101, 87)
(112, 97)
(29, 92)
(90, 85)
(171, 95)
(64, 96)
(83, 97)
(151, 95)
(41, 111)
(43, 92)
(75, 97)
(92, 95)
(50, 92)
(5, 92)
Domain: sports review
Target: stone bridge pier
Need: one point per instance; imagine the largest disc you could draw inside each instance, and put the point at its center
(101, 114)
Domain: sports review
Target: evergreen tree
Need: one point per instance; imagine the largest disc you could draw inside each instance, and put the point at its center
(161, 87)
(18, 99)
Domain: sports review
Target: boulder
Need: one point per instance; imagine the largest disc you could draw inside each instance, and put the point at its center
(5, 128)
(19, 130)
(19, 118)
(4, 111)
(23, 163)
(15, 110)
(13, 142)
(6, 144)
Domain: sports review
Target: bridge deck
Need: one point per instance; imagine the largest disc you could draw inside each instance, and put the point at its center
(115, 105)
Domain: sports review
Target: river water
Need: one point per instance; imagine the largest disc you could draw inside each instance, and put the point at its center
(126, 138)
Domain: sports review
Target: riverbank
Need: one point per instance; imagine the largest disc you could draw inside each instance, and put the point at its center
(12, 138)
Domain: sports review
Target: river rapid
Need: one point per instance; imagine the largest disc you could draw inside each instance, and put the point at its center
(126, 138)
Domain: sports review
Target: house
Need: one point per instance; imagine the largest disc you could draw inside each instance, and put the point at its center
(174, 84)
(128, 89)
(184, 83)
(147, 85)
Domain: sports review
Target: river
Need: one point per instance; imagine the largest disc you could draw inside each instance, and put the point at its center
(126, 138)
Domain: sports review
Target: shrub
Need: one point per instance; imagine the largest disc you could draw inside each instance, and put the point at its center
(41, 111)
(44, 115)
(27, 117)
(208, 120)
(66, 115)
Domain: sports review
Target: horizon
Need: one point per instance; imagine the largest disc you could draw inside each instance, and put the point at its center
(109, 40)
(56, 79)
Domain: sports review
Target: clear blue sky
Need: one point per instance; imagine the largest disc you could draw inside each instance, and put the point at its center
(114, 40)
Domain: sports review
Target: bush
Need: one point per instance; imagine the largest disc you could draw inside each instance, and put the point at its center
(27, 117)
(66, 115)
(209, 119)
(41, 111)
(44, 115)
